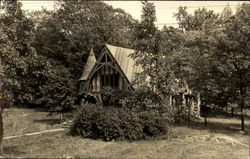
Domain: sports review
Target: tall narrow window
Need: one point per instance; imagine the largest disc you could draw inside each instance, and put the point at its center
(116, 82)
(102, 81)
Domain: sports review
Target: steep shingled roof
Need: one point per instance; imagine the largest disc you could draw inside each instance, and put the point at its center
(122, 56)
(127, 64)
(89, 65)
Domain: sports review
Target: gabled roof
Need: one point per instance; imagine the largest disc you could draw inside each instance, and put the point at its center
(122, 57)
(127, 64)
(89, 65)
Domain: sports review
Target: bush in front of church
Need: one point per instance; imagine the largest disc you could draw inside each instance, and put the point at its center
(110, 123)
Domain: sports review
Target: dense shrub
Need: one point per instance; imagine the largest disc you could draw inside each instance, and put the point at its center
(143, 100)
(111, 97)
(139, 100)
(110, 123)
(59, 92)
(120, 124)
(85, 120)
(154, 124)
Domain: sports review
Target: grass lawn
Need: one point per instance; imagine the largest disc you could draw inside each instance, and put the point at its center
(221, 139)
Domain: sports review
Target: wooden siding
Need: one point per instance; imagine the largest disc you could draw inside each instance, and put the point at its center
(106, 72)
(106, 76)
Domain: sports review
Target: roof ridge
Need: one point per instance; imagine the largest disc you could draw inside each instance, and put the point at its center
(120, 47)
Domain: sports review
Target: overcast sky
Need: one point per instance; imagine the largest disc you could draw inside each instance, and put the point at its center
(164, 9)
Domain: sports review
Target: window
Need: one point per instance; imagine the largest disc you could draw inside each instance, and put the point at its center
(111, 80)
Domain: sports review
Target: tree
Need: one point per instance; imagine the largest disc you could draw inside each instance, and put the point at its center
(202, 19)
(221, 62)
(68, 33)
(23, 69)
(182, 17)
(1, 121)
(57, 92)
(146, 38)
(154, 50)
(1, 130)
(145, 31)
(195, 62)
(226, 14)
(65, 36)
(233, 55)
(199, 45)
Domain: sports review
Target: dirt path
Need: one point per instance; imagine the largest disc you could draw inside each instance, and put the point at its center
(34, 133)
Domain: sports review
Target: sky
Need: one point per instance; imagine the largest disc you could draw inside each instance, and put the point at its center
(164, 9)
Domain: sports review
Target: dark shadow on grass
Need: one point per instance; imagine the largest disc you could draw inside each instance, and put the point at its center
(12, 150)
(219, 127)
(227, 115)
(40, 109)
(48, 121)
(35, 109)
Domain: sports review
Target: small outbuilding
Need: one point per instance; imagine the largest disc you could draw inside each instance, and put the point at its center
(113, 68)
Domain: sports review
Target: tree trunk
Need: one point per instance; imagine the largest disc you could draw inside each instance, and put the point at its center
(61, 117)
(242, 116)
(189, 110)
(1, 131)
(242, 102)
(2, 103)
(198, 104)
(205, 121)
(189, 116)
(242, 123)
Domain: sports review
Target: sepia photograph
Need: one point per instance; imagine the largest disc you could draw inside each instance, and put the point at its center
(96, 79)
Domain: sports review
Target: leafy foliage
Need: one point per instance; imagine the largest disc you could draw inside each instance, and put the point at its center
(45, 53)
(64, 37)
(221, 65)
(85, 120)
(120, 124)
(23, 70)
(233, 46)
(143, 99)
(58, 92)
(202, 19)
(42, 55)
(94, 121)
(113, 97)
(155, 124)
(140, 100)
